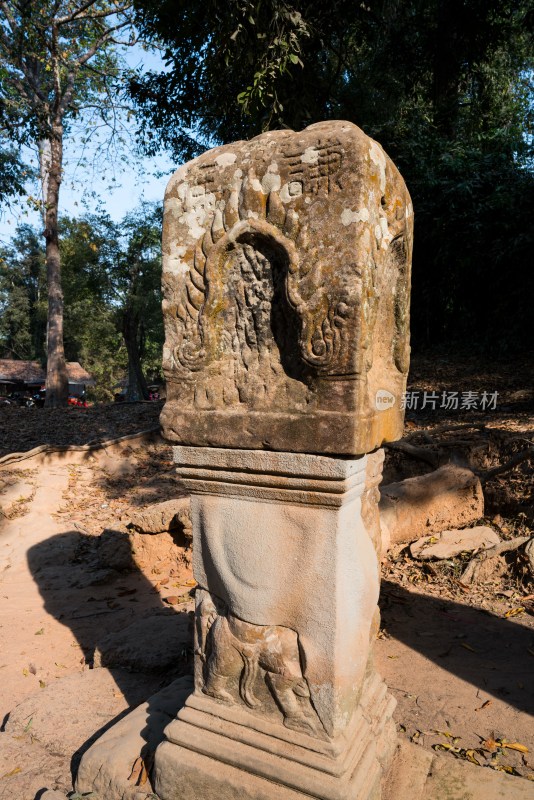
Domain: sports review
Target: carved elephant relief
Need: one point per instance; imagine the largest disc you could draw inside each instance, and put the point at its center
(237, 652)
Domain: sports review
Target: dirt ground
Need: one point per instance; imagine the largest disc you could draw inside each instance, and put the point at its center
(73, 579)
(22, 429)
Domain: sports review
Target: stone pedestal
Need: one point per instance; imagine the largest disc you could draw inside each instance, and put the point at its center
(286, 701)
(286, 282)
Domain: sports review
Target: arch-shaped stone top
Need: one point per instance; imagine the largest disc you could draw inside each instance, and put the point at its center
(286, 274)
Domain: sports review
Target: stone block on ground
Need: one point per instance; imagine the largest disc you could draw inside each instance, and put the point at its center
(166, 516)
(154, 644)
(449, 497)
(107, 766)
(451, 779)
(451, 543)
(418, 774)
(408, 773)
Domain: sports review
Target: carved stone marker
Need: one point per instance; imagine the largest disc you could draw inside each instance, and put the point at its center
(286, 275)
(286, 280)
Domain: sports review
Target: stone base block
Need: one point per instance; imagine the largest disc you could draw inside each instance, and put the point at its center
(216, 751)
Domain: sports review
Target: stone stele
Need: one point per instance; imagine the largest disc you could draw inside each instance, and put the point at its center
(286, 274)
(286, 279)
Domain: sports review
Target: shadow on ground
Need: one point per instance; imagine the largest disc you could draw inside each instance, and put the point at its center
(489, 652)
(101, 605)
(94, 604)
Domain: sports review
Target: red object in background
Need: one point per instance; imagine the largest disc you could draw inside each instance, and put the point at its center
(78, 402)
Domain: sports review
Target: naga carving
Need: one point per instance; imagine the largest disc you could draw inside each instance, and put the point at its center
(247, 224)
(236, 655)
(286, 270)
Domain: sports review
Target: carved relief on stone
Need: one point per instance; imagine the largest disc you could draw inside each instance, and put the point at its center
(239, 661)
(286, 281)
(249, 296)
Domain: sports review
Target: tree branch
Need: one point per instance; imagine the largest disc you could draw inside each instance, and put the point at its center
(76, 13)
(79, 15)
(524, 455)
(420, 453)
(81, 60)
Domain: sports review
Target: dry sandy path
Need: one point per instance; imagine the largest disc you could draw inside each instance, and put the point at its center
(26, 628)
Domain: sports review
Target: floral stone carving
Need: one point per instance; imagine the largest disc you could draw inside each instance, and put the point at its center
(286, 280)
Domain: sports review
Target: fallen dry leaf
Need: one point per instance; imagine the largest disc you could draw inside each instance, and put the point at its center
(136, 770)
(490, 743)
(448, 748)
(504, 768)
(471, 756)
(468, 647)
(484, 705)
(521, 748)
(448, 735)
(13, 772)
(139, 773)
(513, 612)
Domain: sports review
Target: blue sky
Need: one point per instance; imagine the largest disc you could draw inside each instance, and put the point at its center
(116, 185)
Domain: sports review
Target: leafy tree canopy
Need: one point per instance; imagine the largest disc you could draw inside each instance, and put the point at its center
(444, 85)
(234, 69)
(111, 283)
(59, 59)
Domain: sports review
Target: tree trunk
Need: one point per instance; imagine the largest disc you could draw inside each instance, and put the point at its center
(57, 385)
(137, 387)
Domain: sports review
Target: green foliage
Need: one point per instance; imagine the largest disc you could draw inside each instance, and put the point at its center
(111, 272)
(23, 296)
(13, 174)
(444, 85)
(58, 58)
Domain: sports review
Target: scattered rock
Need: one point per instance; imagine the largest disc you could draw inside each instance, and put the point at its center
(429, 503)
(53, 794)
(172, 599)
(71, 711)
(155, 643)
(451, 543)
(170, 515)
